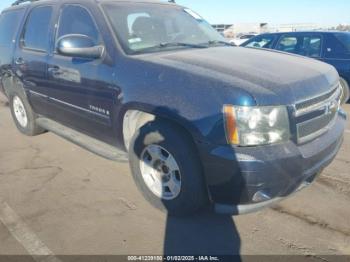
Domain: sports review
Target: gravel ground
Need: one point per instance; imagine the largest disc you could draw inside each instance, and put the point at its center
(60, 199)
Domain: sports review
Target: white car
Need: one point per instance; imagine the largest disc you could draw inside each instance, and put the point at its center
(242, 39)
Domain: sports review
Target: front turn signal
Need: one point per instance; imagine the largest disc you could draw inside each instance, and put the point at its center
(231, 125)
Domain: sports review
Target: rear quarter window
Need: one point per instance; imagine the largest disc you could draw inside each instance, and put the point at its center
(344, 40)
(338, 46)
(9, 22)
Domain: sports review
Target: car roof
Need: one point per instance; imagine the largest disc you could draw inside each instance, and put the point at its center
(137, 1)
(35, 2)
(308, 32)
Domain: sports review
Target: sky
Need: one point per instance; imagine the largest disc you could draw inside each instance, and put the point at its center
(322, 12)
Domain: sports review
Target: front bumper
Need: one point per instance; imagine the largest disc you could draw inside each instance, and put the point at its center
(250, 208)
(245, 179)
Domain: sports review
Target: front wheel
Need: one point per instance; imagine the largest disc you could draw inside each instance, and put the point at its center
(346, 91)
(166, 168)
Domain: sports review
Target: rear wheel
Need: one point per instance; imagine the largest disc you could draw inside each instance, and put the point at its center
(167, 169)
(23, 115)
(346, 91)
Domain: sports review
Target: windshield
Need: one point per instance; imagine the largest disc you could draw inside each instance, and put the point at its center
(142, 28)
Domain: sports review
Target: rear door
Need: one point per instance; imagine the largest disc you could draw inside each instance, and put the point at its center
(31, 56)
(9, 25)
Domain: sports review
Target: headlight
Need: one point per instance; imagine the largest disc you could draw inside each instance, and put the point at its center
(253, 126)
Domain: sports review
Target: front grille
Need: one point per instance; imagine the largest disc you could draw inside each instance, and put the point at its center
(314, 101)
(315, 116)
(315, 125)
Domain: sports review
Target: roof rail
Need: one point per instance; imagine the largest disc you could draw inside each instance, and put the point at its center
(18, 2)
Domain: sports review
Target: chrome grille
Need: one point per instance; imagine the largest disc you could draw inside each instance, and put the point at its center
(315, 101)
(315, 116)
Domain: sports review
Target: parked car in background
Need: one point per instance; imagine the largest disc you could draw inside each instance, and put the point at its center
(330, 47)
(151, 82)
(242, 39)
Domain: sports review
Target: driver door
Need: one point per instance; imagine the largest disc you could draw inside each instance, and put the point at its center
(82, 99)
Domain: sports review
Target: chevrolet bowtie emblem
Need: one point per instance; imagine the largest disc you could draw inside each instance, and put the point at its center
(331, 107)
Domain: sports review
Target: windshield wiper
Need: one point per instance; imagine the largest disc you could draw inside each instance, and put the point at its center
(168, 44)
(171, 44)
(218, 42)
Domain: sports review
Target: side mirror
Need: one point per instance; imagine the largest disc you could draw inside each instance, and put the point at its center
(82, 46)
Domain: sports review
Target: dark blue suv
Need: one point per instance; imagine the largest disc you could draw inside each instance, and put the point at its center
(200, 121)
(330, 47)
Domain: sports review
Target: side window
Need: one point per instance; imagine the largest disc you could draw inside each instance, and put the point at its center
(9, 22)
(261, 42)
(311, 46)
(307, 45)
(77, 20)
(288, 44)
(36, 31)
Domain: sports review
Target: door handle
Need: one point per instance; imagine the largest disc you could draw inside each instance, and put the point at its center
(55, 70)
(19, 61)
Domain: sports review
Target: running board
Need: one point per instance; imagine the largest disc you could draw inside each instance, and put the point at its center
(91, 144)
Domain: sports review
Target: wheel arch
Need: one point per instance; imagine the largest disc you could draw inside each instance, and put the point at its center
(12, 84)
(346, 80)
(134, 117)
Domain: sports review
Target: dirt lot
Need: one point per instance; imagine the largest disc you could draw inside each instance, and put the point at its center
(56, 198)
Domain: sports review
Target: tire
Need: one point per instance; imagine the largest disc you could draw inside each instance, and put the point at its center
(346, 91)
(23, 115)
(176, 145)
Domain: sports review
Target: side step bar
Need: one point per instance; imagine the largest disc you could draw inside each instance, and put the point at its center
(84, 141)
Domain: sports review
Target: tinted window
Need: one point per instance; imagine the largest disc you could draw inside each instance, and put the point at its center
(344, 40)
(264, 41)
(36, 31)
(8, 25)
(288, 44)
(77, 20)
(338, 46)
(311, 46)
(305, 45)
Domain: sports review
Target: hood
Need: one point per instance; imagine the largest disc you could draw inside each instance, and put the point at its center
(270, 77)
